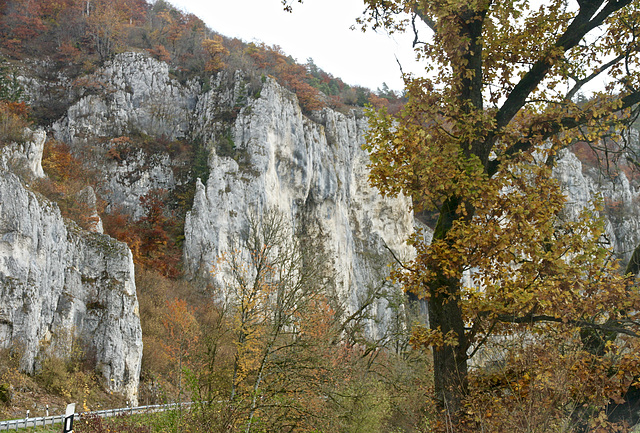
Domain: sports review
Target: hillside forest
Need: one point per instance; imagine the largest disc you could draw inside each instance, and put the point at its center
(543, 339)
(314, 365)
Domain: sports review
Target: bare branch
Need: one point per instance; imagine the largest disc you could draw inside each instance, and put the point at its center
(425, 19)
(398, 261)
(548, 129)
(580, 83)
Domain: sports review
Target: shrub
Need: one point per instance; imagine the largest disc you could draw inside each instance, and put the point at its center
(55, 378)
(71, 378)
(66, 180)
(5, 393)
(120, 423)
(12, 123)
(153, 238)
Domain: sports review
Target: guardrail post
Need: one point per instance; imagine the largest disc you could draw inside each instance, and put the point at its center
(68, 418)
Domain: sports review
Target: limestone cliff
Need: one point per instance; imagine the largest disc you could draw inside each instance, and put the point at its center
(61, 285)
(263, 152)
(314, 171)
(130, 93)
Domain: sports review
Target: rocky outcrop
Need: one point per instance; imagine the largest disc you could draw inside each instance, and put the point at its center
(62, 286)
(126, 181)
(131, 96)
(265, 153)
(26, 158)
(315, 173)
(87, 197)
(131, 93)
(621, 202)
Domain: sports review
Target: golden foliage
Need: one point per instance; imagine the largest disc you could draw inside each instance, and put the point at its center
(476, 143)
(13, 121)
(216, 52)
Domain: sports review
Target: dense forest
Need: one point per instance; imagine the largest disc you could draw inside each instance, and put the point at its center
(79, 35)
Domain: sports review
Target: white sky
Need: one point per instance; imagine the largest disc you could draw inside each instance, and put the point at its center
(319, 29)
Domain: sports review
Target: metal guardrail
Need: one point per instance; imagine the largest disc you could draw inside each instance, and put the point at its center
(16, 424)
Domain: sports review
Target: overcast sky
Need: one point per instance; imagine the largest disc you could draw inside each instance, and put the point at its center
(318, 29)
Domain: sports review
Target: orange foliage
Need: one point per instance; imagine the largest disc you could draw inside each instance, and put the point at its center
(287, 72)
(22, 20)
(610, 162)
(59, 164)
(120, 148)
(307, 96)
(182, 335)
(119, 225)
(586, 154)
(66, 178)
(160, 52)
(17, 108)
(58, 27)
(77, 32)
(152, 238)
(216, 52)
(378, 102)
(68, 53)
(13, 121)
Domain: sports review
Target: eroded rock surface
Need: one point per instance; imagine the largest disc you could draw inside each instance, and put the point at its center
(62, 286)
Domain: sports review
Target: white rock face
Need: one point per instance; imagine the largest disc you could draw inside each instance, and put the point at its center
(27, 156)
(311, 168)
(88, 196)
(60, 285)
(131, 93)
(314, 173)
(127, 181)
(621, 202)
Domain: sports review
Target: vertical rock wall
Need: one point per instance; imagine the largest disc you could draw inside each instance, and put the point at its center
(61, 285)
(314, 172)
(621, 199)
(265, 153)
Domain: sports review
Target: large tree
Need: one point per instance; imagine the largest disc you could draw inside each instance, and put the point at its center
(476, 144)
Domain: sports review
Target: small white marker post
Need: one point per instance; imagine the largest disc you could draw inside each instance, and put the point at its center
(68, 418)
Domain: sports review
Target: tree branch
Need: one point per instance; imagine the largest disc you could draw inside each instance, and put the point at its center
(484, 339)
(545, 130)
(633, 267)
(579, 27)
(425, 19)
(398, 261)
(532, 318)
(594, 74)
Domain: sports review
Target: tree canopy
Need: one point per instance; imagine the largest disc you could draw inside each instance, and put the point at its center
(477, 142)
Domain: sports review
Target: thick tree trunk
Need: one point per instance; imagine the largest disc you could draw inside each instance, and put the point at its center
(633, 267)
(449, 361)
(445, 315)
